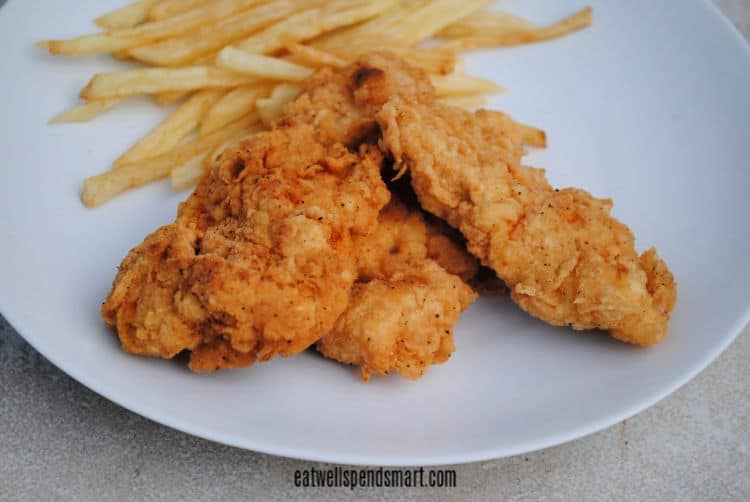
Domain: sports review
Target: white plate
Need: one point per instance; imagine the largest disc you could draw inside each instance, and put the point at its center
(651, 107)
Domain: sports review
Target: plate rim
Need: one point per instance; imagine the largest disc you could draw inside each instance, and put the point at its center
(477, 455)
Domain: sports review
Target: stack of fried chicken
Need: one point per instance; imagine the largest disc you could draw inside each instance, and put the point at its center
(364, 223)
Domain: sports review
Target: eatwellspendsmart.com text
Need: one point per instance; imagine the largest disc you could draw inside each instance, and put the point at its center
(338, 477)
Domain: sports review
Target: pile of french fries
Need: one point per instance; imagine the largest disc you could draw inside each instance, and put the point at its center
(232, 65)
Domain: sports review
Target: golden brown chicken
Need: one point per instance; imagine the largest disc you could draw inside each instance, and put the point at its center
(407, 298)
(260, 260)
(564, 258)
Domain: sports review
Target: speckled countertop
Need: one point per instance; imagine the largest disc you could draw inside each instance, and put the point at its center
(60, 441)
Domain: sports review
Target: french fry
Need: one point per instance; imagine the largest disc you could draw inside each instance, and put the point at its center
(430, 19)
(578, 21)
(486, 23)
(156, 80)
(271, 109)
(458, 84)
(435, 60)
(128, 38)
(315, 58)
(169, 97)
(99, 189)
(309, 24)
(170, 8)
(234, 62)
(172, 130)
(263, 67)
(234, 105)
(211, 38)
(469, 103)
(533, 136)
(373, 27)
(131, 15)
(87, 111)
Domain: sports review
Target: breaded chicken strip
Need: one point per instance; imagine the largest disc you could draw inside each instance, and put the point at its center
(260, 260)
(564, 258)
(403, 307)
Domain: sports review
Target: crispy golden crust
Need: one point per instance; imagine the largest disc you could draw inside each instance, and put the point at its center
(402, 310)
(260, 255)
(564, 258)
(400, 324)
(341, 104)
(402, 236)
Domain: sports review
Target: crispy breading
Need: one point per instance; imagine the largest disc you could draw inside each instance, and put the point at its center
(401, 236)
(260, 259)
(341, 104)
(400, 324)
(564, 258)
(403, 307)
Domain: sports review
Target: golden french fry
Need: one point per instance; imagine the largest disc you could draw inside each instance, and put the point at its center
(309, 24)
(263, 67)
(373, 27)
(430, 19)
(433, 60)
(187, 39)
(459, 84)
(169, 97)
(99, 189)
(466, 102)
(486, 23)
(156, 80)
(211, 38)
(128, 38)
(87, 111)
(131, 15)
(234, 105)
(571, 24)
(170, 8)
(533, 136)
(271, 109)
(172, 130)
(315, 58)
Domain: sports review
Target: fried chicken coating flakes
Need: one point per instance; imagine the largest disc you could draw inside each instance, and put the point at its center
(403, 307)
(260, 260)
(564, 258)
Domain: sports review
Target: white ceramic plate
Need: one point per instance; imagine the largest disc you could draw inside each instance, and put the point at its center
(650, 107)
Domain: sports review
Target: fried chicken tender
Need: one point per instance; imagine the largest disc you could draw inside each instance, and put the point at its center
(260, 260)
(341, 104)
(564, 258)
(403, 307)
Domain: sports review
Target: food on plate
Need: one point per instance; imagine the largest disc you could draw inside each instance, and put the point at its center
(405, 302)
(260, 260)
(228, 59)
(284, 244)
(563, 256)
(298, 134)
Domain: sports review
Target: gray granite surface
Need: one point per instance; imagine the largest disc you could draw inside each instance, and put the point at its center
(60, 441)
